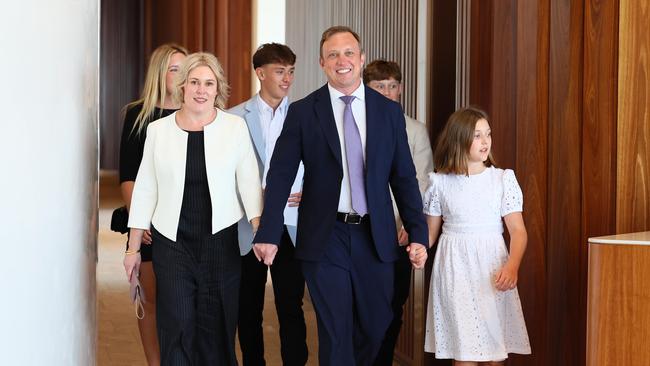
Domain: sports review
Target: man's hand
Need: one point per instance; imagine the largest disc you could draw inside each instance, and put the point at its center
(294, 199)
(417, 254)
(265, 252)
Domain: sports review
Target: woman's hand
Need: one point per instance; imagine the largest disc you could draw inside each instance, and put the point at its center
(506, 277)
(132, 264)
(132, 257)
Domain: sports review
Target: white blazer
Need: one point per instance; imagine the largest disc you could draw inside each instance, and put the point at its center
(230, 164)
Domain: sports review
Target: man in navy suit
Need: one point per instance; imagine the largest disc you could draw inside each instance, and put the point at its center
(352, 142)
(264, 114)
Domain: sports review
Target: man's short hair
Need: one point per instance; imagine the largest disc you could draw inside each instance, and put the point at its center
(336, 30)
(273, 53)
(382, 70)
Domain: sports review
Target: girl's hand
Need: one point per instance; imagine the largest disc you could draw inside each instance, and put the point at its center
(132, 264)
(506, 278)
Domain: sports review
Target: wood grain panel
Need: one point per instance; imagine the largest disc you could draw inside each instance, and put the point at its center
(443, 66)
(565, 252)
(481, 55)
(503, 83)
(599, 118)
(633, 189)
(531, 126)
(121, 73)
(222, 27)
(619, 305)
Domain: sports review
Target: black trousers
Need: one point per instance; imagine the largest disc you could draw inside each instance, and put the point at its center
(197, 291)
(401, 289)
(288, 288)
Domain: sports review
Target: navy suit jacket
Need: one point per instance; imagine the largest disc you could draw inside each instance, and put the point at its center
(309, 135)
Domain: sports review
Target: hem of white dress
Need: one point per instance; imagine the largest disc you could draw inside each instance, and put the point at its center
(479, 358)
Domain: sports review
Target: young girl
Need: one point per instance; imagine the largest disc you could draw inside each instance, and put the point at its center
(474, 314)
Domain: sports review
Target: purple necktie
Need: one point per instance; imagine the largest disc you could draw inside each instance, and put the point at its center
(356, 170)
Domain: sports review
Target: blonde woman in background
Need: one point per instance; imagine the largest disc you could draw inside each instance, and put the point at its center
(154, 103)
(195, 162)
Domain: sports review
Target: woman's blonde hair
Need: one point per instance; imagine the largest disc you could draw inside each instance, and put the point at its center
(202, 59)
(155, 84)
(455, 140)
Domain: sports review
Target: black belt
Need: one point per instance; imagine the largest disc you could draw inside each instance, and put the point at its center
(351, 218)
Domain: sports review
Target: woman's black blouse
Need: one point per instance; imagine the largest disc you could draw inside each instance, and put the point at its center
(132, 142)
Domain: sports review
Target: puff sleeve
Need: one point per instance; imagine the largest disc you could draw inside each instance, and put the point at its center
(431, 200)
(512, 200)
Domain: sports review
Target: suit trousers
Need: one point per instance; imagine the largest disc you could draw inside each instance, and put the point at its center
(401, 288)
(352, 291)
(288, 288)
(197, 288)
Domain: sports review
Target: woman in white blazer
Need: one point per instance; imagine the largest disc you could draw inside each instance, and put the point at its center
(194, 164)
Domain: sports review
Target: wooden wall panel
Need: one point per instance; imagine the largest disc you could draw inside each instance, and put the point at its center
(121, 73)
(599, 125)
(633, 190)
(566, 253)
(443, 66)
(533, 71)
(222, 27)
(532, 24)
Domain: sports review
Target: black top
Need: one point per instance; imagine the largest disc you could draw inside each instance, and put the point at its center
(195, 222)
(132, 142)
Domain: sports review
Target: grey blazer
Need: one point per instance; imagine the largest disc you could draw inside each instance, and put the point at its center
(249, 111)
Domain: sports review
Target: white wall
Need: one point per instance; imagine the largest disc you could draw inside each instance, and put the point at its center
(48, 189)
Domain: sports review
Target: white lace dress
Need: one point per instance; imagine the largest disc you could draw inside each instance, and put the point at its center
(468, 319)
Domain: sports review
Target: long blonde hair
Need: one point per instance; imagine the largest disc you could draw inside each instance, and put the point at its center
(155, 84)
(455, 140)
(202, 59)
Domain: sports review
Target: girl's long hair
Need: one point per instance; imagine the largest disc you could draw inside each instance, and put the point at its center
(155, 85)
(455, 140)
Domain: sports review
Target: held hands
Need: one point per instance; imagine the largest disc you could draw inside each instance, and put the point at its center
(417, 254)
(506, 277)
(265, 252)
(294, 199)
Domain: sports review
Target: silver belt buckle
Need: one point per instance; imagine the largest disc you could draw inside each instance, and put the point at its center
(356, 218)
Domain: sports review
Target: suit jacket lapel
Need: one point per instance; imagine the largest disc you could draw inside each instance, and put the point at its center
(252, 118)
(323, 107)
(373, 126)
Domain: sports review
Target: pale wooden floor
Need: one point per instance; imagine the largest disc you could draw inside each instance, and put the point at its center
(118, 338)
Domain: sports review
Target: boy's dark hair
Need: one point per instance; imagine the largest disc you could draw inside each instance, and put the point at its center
(273, 53)
(382, 70)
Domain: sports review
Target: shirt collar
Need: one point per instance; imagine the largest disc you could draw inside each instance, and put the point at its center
(264, 107)
(359, 93)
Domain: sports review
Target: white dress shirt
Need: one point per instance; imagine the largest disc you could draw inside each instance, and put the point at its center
(359, 113)
(271, 123)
